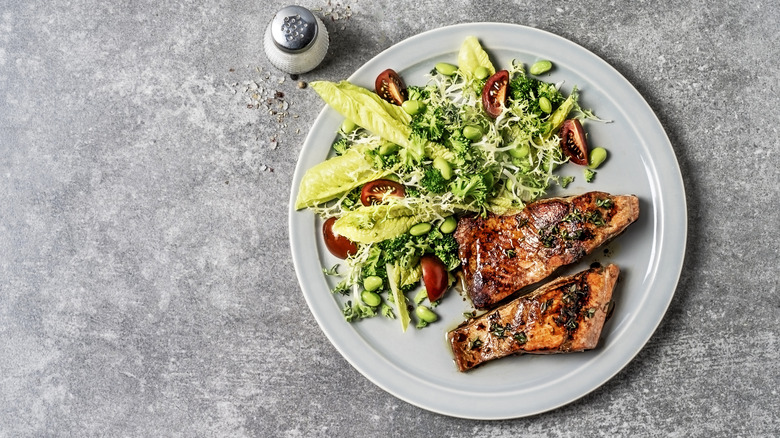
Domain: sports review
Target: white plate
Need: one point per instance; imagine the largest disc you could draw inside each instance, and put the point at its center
(417, 366)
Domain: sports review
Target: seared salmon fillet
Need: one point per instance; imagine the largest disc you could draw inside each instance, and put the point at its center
(502, 254)
(563, 316)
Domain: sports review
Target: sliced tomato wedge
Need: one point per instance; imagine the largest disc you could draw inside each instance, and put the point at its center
(573, 142)
(390, 87)
(494, 93)
(376, 191)
(337, 244)
(434, 276)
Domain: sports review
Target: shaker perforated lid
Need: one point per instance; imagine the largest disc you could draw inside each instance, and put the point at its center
(294, 29)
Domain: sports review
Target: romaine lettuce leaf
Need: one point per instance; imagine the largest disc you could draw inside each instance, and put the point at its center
(375, 223)
(559, 115)
(366, 109)
(334, 177)
(472, 56)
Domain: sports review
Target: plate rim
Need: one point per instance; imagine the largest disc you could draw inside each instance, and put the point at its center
(475, 28)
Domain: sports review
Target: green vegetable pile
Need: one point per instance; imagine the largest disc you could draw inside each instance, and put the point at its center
(451, 157)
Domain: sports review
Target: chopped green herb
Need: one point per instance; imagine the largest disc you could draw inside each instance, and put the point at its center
(545, 305)
(606, 203)
(595, 218)
(589, 175)
(520, 337)
(475, 344)
(573, 235)
(565, 181)
(498, 330)
(574, 216)
(547, 237)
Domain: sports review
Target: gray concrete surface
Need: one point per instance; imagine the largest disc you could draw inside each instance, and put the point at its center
(146, 281)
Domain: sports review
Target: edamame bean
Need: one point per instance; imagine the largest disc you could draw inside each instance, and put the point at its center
(412, 107)
(545, 105)
(443, 167)
(449, 225)
(540, 67)
(426, 314)
(597, 156)
(372, 283)
(472, 132)
(348, 126)
(521, 151)
(420, 229)
(446, 68)
(482, 72)
(387, 148)
(371, 298)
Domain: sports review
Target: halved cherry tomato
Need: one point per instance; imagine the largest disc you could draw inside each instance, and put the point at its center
(434, 276)
(573, 142)
(337, 244)
(494, 93)
(390, 87)
(376, 191)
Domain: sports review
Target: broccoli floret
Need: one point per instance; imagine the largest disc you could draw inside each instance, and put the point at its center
(401, 248)
(414, 152)
(433, 181)
(446, 249)
(379, 161)
(549, 91)
(433, 123)
(411, 248)
(428, 124)
(472, 187)
(522, 87)
(461, 146)
(341, 146)
(529, 89)
(352, 199)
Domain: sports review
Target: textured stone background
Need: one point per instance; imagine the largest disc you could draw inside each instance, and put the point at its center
(146, 283)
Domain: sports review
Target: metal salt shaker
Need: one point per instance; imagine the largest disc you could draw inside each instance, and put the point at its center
(296, 41)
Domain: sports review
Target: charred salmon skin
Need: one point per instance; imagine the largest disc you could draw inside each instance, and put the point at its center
(563, 316)
(502, 254)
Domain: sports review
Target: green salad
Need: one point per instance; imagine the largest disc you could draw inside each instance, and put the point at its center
(410, 160)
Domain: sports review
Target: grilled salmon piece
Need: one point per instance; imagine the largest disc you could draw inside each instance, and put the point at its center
(502, 254)
(563, 316)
